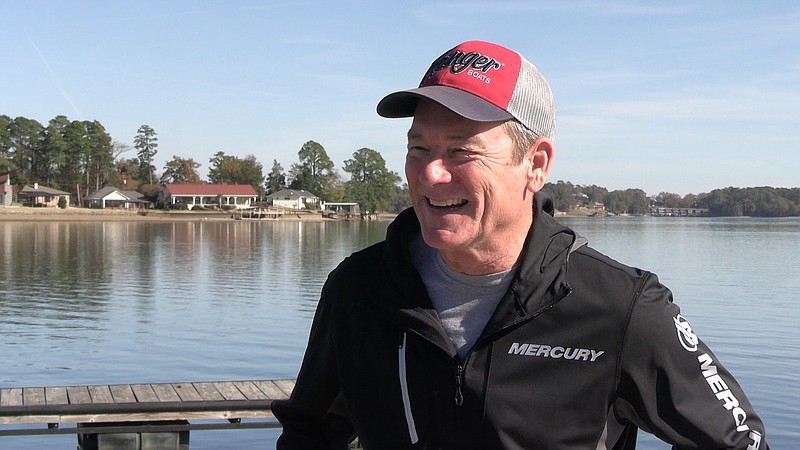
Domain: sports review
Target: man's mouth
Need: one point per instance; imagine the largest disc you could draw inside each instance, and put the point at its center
(449, 203)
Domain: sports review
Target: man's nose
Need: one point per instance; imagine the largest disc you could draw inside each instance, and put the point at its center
(435, 172)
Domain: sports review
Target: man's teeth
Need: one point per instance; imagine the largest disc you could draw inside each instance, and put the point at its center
(455, 202)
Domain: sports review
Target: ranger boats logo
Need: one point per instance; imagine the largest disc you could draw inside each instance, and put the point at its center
(475, 64)
(555, 352)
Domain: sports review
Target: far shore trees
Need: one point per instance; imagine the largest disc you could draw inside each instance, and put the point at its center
(314, 172)
(371, 184)
(227, 169)
(80, 157)
(146, 143)
(181, 170)
(276, 179)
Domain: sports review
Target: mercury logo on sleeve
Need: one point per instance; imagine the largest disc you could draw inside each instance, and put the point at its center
(719, 388)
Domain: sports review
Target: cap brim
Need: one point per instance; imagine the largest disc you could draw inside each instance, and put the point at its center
(403, 104)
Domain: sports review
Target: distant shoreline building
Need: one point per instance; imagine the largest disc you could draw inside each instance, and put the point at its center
(213, 196)
(42, 196)
(293, 199)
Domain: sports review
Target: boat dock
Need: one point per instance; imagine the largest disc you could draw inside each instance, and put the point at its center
(140, 416)
(259, 214)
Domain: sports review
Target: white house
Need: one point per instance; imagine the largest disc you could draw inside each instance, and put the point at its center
(222, 196)
(111, 197)
(293, 199)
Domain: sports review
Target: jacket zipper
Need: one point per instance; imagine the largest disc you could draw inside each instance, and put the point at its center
(459, 398)
(401, 355)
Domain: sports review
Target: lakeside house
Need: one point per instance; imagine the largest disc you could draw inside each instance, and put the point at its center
(111, 197)
(214, 196)
(293, 199)
(42, 196)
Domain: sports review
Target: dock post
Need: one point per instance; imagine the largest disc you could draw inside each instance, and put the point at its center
(147, 440)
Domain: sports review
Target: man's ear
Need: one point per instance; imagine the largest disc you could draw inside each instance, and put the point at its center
(539, 159)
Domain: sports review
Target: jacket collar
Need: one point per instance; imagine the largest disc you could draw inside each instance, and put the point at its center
(541, 278)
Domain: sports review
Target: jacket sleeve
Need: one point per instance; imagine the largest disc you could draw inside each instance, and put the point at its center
(315, 416)
(673, 386)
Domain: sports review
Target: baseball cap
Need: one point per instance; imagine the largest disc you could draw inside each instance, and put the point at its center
(484, 82)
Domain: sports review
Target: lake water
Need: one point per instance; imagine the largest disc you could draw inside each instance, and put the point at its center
(125, 302)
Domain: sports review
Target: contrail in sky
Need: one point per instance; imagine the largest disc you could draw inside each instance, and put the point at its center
(54, 76)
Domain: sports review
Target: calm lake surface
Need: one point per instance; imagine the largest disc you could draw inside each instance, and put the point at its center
(126, 302)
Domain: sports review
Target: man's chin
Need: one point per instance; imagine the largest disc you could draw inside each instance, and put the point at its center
(441, 239)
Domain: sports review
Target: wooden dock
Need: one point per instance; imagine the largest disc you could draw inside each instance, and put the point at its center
(141, 408)
(259, 214)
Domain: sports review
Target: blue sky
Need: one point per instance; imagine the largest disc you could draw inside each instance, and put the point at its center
(679, 96)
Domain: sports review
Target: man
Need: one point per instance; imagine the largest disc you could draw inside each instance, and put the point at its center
(481, 322)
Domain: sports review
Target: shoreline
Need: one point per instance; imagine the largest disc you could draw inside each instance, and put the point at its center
(27, 214)
(76, 214)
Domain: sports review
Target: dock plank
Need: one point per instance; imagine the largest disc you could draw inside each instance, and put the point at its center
(208, 391)
(79, 395)
(11, 397)
(286, 385)
(250, 390)
(165, 392)
(187, 392)
(229, 390)
(56, 395)
(144, 393)
(32, 396)
(271, 390)
(101, 394)
(122, 393)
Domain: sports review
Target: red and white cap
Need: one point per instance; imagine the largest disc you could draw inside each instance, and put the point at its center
(483, 82)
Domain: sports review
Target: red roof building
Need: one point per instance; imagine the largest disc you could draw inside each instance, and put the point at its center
(212, 196)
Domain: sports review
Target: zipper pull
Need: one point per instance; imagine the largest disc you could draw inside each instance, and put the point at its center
(459, 378)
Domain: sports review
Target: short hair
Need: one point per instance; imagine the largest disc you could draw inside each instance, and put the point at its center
(522, 138)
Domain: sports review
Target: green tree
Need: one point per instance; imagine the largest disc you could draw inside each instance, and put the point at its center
(334, 189)
(252, 172)
(54, 151)
(126, 172)
(146, 142)
(181, 170)
(276, 179)
(668, 200)
(402, 198)
(221, 168)
(6, 152)
(226, 169)
(371, 184)
(25, 137)
(99, 161)
(315, 170)
(77, 144)
(562, 193)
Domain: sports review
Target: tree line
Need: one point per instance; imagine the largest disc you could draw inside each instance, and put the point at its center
(80, 157)
(761, 201)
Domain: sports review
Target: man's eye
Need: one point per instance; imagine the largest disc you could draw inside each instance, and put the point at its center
(417, 151)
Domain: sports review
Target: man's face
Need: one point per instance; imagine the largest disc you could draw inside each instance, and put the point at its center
(470, 197)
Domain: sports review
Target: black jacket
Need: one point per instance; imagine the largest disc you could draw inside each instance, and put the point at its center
(580, 352)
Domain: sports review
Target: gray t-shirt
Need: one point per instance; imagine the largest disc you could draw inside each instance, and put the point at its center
(463, 302)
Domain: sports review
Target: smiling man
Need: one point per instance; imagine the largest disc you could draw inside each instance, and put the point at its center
(481, 322)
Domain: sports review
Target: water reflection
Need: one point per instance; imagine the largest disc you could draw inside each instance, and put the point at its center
(126, 301)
